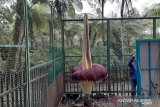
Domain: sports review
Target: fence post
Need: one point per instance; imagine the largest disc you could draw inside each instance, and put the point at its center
(27, 56)
(154, 28)
(63, 50)
(149, 63)
(108, 55)
(52, 27)
(52, 38)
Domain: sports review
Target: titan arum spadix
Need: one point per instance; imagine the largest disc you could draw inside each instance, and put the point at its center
(87, 73)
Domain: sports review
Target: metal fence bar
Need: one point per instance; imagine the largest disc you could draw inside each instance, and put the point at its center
(63, 48)
(24, 87)
(20, 90)
(39, 85)
(16, 90)
(154, 28)
(2, 89)
(12, 93)
(108, 55)
(13, 88)
(42, 95)
(12, 46)
(28, 88)
(27, 55)
(7, 80)
(100, 19)
(117, 81)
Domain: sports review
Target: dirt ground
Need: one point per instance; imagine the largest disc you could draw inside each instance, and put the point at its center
(114, 102)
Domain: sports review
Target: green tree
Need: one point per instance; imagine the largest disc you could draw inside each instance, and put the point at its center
(153, 11)
(14, 56)
(126, 8)
(17, 37)
(6, 21)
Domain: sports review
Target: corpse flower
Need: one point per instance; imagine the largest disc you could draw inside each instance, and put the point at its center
(87, 73)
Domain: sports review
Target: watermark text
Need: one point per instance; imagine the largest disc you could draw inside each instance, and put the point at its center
(130, 100)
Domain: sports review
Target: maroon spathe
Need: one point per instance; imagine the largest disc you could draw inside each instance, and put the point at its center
(97, 72)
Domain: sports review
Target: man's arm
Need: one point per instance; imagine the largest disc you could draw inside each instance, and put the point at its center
(130, 62)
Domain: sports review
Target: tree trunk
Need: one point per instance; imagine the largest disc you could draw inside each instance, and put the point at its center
(103, 36)
(17, 38)
(19, 60)
(122, 8)
(32, 36)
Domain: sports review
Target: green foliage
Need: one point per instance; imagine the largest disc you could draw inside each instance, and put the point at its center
(2, 65)
(6, 14)
(73, 51)
(38, 1)
(154, 11)
(73, 34)
(96, 33)
(37, 17)
(39, 20)
(39, 32)
(36, 57)
(100, 55)
(6, 24)
(5, 39)
(71, 10)
(73, 57)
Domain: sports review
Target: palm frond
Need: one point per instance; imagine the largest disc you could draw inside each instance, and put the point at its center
(154, 11)
(37, 16)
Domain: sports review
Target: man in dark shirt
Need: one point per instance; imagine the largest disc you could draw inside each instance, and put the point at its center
(133, 75)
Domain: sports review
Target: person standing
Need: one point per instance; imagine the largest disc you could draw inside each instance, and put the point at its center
(133, 75)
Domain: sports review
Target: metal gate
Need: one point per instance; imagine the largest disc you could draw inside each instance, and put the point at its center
(31, 58)
(106, 49)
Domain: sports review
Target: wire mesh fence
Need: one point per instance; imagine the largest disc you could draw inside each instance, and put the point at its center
(29, 65)
(13, 74)
(39, 84)
(13, 90)
(30, 52)
(112, 43)
(13, 87)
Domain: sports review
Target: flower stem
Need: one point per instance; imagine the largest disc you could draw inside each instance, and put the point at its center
(87, 100)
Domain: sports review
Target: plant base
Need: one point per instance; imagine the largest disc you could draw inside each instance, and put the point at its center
(87, 100)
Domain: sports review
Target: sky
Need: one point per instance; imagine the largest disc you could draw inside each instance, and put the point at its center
(139, 4)
(86, 8)
(112, 8)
